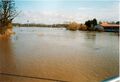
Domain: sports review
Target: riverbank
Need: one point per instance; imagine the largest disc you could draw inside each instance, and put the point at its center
(73, 26)
(39, 25)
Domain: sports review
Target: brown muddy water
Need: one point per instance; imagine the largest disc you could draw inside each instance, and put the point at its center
(58, 55)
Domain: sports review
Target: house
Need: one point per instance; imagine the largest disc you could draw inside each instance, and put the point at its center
(98, 28)
(110, 27)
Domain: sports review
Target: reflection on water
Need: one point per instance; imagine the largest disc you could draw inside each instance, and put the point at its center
(74, 56)
(6, 54)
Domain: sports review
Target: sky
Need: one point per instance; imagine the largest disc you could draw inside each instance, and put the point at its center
(64, 11)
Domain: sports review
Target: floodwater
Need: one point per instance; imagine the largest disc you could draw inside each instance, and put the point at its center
(58, 55)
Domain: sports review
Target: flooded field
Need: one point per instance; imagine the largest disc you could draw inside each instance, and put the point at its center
(58, 55)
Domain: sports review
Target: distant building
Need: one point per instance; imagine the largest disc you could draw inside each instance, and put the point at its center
(98, 28)
(110, 27)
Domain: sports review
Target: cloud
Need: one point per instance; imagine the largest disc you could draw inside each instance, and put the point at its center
(79, 14)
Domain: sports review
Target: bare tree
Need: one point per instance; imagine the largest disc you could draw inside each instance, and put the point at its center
(7, 12)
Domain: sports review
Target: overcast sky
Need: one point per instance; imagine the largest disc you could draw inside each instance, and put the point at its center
(61, 11)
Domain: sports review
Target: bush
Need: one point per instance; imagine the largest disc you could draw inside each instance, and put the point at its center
(6, 29)
(73, 26)
(83, 27)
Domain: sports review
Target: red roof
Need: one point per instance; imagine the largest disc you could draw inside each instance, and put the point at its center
(110, 25)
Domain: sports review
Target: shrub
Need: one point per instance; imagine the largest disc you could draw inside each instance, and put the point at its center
(83, 27)
(73, 26)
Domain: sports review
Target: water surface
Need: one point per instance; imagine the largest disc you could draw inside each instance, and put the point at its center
(74, 56)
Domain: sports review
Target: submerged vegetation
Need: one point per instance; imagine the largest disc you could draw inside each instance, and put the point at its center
(89, 25)
(76, 26)
(92, 25)
(73, 26)
(7, 14)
